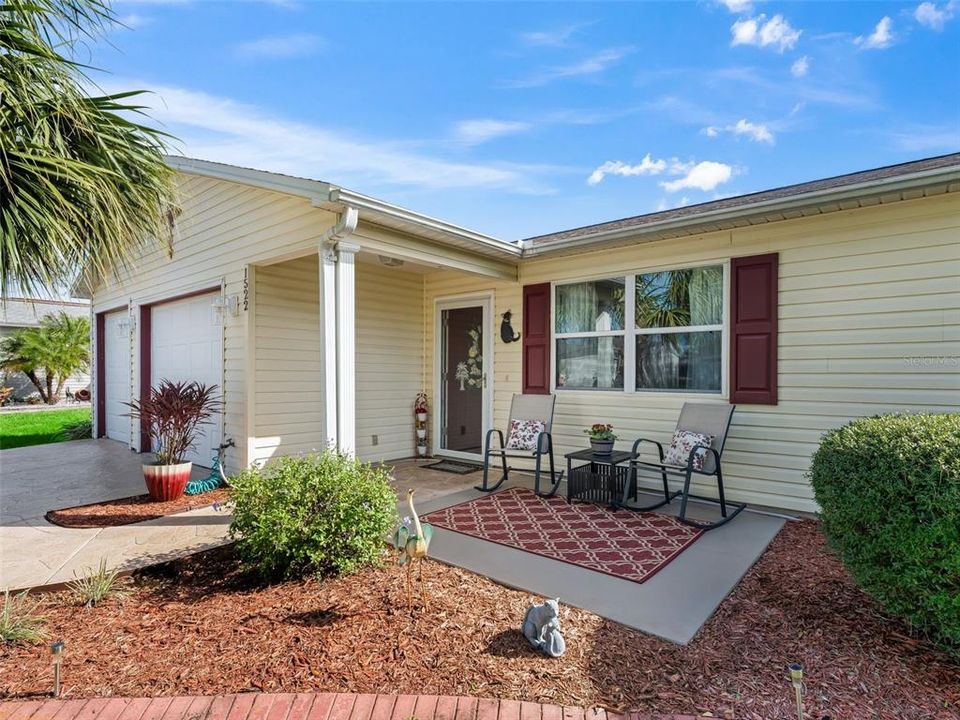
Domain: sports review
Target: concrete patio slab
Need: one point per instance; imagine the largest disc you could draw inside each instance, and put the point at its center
(673, 604)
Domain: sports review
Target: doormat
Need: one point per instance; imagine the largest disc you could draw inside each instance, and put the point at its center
(628, 545)
(454, 466)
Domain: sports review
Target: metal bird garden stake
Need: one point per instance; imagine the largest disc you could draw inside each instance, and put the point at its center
(412, 546)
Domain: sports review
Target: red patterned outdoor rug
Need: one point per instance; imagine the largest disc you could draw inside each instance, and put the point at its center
(628, 545)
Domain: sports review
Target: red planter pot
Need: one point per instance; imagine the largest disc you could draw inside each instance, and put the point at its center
(166, 482)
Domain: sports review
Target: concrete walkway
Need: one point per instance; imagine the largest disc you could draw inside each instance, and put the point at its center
(307, 706)
(47, 477)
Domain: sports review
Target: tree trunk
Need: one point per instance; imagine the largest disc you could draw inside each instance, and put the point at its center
(32, 376)
(48, 377)
(61, 381)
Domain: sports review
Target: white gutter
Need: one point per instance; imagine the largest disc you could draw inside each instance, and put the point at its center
(873, 187)
(344, 228)
(339, 195)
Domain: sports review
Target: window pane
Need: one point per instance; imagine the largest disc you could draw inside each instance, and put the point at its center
(595, 362)
(590, 306)
(680, 298)
(679, 361)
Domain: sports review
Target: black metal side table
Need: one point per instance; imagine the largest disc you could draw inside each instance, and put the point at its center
(599, 478)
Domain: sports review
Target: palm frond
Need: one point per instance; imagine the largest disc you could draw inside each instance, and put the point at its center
(84, 184)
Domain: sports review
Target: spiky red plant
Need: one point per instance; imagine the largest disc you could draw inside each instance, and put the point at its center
(172, 413)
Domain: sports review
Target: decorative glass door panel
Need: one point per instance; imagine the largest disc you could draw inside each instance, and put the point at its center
(463, 379)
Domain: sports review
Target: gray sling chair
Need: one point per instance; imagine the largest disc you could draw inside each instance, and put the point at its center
(709, 419)
(524, 407)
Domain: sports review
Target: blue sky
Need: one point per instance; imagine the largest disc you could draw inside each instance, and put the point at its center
(520, 119)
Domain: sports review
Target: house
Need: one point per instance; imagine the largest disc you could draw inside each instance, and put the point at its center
(322, 312)
(17, 313)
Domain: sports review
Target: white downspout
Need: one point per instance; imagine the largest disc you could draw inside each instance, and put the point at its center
(337, 331)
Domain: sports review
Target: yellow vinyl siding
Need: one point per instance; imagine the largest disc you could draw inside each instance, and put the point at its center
(860, 292)
(222, 227)
(389, 359)
(288, 386)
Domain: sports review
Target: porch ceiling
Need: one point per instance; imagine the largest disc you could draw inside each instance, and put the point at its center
(391, 242)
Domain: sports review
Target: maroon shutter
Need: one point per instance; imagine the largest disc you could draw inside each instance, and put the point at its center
(753, 330)
(536, 339)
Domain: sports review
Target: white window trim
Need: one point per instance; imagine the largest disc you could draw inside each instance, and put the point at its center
(630, 348)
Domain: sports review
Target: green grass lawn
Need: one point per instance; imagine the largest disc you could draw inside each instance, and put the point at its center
(18, 429)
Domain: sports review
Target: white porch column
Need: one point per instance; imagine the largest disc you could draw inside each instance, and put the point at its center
(328, 341)
(346, 343)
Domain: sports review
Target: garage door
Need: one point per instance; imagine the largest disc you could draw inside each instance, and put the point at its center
(116, 351)
(186, 346)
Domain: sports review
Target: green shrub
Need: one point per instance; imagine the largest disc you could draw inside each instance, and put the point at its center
(96, 585)
(889, 492)
(18, 621)
(323, 513)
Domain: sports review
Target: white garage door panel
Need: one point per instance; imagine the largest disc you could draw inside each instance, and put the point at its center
(116, 350)
(185, 347)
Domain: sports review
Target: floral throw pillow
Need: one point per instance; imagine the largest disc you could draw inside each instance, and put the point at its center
(524, 434)
(683, 442)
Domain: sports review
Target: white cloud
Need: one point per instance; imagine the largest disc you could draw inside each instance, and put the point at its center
(800, 67)
(705, 176)
(737, 6)
(758, 31)
(880, 38)
(281, 46)
(474, 132)
(549, 38)
(758, 132)
(933, 17)
(134, 21)
(593, 65)
(647, 166)
(223, 130)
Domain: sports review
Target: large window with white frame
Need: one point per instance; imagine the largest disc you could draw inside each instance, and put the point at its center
(650, 332)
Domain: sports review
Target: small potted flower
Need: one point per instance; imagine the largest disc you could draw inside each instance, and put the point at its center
(420, 407)
(422, 447)
(601, 438)
(172, 414)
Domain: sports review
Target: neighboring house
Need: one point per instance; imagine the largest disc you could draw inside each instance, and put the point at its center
(322, 313)
(17, 313)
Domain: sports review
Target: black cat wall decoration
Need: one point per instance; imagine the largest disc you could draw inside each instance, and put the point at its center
(506, 331)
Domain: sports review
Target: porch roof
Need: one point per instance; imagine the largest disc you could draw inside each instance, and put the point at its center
(375, 214)
(893, 183)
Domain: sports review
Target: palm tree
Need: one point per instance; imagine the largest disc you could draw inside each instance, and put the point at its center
(48, 354)
(81, 183)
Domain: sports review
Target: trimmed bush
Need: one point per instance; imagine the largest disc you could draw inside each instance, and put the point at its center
(323, 513)
(889, 492)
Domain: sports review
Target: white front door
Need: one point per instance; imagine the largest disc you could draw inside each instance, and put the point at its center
(116, 385)
(186, 346)
(464, 362)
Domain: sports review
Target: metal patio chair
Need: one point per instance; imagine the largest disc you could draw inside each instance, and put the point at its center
(524, 407)
(709, 419)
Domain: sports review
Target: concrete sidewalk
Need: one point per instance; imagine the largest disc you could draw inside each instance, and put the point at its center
(47, 477)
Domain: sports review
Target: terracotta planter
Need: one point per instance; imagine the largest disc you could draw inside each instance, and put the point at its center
(166, 482)
(601, 447)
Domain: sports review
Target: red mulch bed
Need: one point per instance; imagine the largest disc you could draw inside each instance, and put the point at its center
(201, 626)
(131, 509)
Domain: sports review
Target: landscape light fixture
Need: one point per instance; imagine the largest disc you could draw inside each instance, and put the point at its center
(796, 677)
(56, 650)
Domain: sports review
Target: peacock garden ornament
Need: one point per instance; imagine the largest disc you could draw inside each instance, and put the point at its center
(412, 546)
